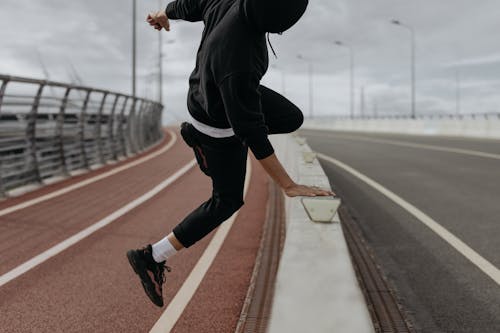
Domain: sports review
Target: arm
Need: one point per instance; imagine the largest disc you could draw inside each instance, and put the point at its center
(242, 104)
(188, 10)
(274, 169)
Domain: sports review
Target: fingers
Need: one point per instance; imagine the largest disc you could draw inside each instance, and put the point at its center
(152, 22)
(325, 193)
(158, 21)
(308, 191)
(320, 192)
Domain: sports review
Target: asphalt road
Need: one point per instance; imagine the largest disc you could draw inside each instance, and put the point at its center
(459, 188)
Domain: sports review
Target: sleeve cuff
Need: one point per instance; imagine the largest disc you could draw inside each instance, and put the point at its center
(170, 11)
(260, 146)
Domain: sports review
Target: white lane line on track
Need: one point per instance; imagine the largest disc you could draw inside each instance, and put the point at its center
(176, 307)
(417, 145)
(474, 257)
(46, 255)
(86, 182)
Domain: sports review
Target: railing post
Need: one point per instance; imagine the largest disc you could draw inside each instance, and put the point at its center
(151, 123)
(158, 120)
(31, 132)
(83, 120)
(139, 136)
(131, 128)
(98, 129)
(2, 94)
(60, 131)
(2, 91)
(2, 190)
(121, 132)
(111, 121)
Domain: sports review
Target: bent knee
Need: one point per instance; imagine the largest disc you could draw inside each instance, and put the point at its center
(294, 121)
(299, 121)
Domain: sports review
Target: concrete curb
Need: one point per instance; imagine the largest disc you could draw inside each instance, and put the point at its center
(316, 287)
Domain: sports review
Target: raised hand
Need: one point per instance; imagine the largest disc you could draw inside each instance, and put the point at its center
(159, 20)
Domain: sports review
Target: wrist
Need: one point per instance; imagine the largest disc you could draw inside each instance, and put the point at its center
(288, 185)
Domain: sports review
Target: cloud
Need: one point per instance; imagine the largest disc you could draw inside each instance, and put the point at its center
(94, 36)
(491, 59)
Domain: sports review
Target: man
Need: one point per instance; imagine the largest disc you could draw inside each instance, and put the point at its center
(230, 112)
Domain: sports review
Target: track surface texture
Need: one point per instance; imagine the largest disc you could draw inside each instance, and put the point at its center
(90, 287)
(440, 289)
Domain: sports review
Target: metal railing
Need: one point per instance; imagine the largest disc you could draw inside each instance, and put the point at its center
(50, 129)
(473, 116)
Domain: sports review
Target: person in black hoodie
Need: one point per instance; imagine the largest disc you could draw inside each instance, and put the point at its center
(231, 113)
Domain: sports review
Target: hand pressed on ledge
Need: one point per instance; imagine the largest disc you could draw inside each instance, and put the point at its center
(296, 190)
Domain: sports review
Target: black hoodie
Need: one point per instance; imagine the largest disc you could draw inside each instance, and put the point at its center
(231, 61)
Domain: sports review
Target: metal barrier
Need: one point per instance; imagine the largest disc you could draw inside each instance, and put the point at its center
(50, 129)
(473, 116)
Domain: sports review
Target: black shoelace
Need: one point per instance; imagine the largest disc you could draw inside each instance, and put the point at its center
(162, 267)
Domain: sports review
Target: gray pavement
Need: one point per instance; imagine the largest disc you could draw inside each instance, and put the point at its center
(443, 290)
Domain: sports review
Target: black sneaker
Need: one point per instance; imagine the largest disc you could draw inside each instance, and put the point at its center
(152, 274)
(188, 133)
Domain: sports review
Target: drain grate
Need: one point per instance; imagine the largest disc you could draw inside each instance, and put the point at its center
(386, 313)
(257, 306)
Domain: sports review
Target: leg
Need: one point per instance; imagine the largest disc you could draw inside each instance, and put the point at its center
(226, 159)
(281, 115)
(226, 163)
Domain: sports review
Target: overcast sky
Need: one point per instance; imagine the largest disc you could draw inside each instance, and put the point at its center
(454, 38)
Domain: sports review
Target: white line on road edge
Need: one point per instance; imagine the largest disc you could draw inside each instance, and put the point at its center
(86, 182)
(181, 299)
(455, 242)
(419, 145)
(28, 265)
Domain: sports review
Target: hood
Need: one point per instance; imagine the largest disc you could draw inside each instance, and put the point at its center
(274, 16)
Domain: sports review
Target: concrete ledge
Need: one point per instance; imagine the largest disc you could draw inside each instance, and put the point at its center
(316, 287)
(462, 127)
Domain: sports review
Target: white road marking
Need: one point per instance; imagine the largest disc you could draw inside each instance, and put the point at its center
(483, 264)
(416, 145)
(39, 259)
(176, 307)
(86, 182)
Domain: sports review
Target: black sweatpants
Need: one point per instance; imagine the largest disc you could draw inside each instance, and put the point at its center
(226, 160)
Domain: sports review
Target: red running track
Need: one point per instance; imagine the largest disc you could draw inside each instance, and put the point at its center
(89, 287)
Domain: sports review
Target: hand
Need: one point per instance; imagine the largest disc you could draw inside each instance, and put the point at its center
(308, 191)
(159, 20)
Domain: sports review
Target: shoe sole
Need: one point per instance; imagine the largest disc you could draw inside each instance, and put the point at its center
(140, 270)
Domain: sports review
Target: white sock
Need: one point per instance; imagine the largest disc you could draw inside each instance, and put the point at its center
(163, 250)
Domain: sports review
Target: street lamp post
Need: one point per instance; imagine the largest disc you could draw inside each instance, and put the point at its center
(413, 79)
(160, 63)
(311, 85)
(134, 48)
(458, 92)
(351, 56)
